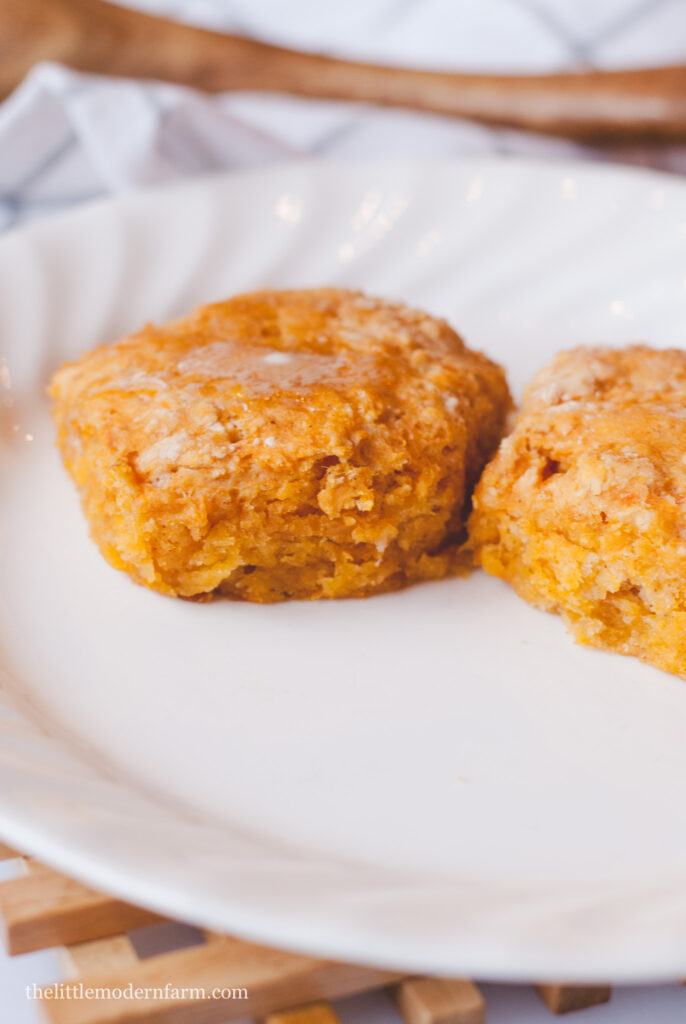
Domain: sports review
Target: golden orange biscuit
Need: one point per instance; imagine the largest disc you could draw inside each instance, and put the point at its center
(279, 445)
(582, 509)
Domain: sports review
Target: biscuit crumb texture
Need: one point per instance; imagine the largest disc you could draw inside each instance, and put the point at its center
(300, 444)
(582, 508)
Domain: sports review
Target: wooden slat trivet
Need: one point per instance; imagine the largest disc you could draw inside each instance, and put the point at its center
(42, 909)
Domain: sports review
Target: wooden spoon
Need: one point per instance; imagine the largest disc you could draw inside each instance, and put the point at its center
(91, 35)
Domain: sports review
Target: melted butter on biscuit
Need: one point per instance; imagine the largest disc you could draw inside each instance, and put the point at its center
(277, 358)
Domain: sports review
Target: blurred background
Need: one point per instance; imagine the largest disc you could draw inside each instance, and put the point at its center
(66, 137)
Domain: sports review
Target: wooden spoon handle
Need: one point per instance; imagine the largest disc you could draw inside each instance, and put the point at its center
(95, 36)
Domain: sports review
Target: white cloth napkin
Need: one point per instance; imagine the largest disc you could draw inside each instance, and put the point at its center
(66, 137)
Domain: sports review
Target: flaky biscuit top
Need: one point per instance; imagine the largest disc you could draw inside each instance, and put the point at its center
(605, 430)
(190, 393)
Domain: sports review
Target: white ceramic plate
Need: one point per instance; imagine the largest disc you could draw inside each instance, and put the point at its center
(436, 780)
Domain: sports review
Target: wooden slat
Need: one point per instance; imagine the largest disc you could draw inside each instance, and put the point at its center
(45, 909)
(439, 1001)
(566, 998)
(7, 853)
(315, 1013)
(273, 980)
(83, 958)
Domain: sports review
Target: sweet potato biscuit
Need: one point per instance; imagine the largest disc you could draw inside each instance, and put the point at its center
(582, 509)
(281, 445)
